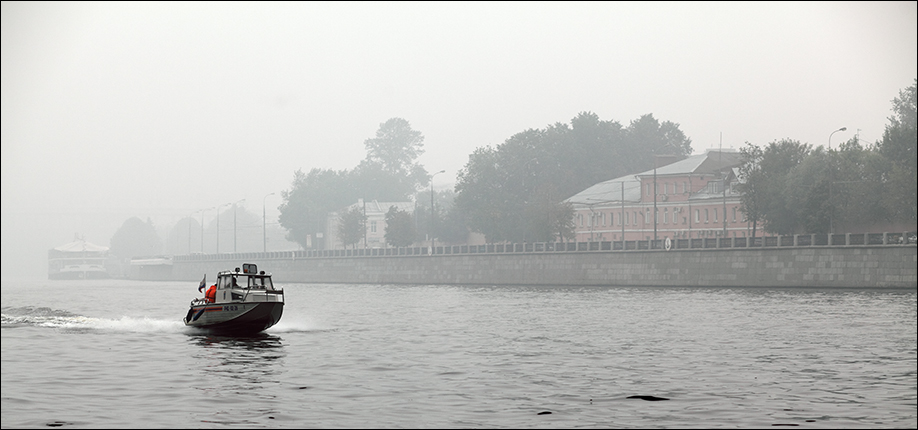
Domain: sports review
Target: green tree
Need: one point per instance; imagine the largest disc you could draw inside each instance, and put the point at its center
(399, 227)
(136, 238)
(392, 154)
(857, 187)
(352, 226)
(396, 145)
(454, 228)
(443, 202)
(372, 181)
(795, 189)
(237, 229)
(752, 199)
(900, 137)
(310, 198)
(388, 173)
(552, 220)
(779, 158)
(646, 137)
(766, 182)
(899, 145)
(804, 194)
(508, 191)
(185, 237)
(484, 197)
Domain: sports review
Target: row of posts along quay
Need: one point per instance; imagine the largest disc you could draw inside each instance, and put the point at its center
(874, 260)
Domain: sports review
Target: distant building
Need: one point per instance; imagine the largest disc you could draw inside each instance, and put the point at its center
(375, 211)
(79, 260)
(695, 197)
(151, 268)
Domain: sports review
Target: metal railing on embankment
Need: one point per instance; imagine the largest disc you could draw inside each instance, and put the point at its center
(798, 240)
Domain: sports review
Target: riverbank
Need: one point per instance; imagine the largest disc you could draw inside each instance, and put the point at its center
(868, 266)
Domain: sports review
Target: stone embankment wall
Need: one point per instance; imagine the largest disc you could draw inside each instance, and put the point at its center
(842, 267)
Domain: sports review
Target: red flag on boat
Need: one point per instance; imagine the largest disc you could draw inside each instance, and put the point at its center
(203, 283)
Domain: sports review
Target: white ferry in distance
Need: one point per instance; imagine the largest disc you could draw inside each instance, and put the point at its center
(78, 260)
(239, 303)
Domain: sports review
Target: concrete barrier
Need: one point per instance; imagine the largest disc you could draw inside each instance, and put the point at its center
(816, 266)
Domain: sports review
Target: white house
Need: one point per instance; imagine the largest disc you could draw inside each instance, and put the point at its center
(375, 211)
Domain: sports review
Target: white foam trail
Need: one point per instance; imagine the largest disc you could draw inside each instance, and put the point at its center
(296, 326)
(125, 323)
(135, 325)
(65, 320)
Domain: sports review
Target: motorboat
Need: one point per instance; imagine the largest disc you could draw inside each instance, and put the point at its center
(240, 302)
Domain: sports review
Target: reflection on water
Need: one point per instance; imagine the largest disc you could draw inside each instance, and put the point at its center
(259, 341)
(245, 365)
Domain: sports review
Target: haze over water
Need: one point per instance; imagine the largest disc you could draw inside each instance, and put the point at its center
(93, 354)
(114, 110)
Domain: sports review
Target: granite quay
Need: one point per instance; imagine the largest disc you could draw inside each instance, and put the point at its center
(883, 260)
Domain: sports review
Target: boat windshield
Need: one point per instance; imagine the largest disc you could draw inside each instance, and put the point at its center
(226, 282)
(260, 282)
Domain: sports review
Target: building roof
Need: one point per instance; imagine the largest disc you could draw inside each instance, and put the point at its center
(382, 207)
(710, 162)
(609, 191)
(81, 245)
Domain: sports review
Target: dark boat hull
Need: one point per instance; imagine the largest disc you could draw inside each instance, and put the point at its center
(235, 318)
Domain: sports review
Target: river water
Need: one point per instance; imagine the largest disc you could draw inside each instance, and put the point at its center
(114, 353)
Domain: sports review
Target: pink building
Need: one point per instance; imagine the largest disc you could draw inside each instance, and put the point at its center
(695, 198)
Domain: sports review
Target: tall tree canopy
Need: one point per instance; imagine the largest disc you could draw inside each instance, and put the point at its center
(395, 147)
(185, 237)
(779, 158)
(310, 198)
(516, 191)
(352, 226)
(235, 226)
(389, 172)
(796, 189)
(751, 182)
(399, 228)
(900, 146)
(136, 238)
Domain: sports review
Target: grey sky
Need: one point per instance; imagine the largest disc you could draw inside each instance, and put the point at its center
(113, 110)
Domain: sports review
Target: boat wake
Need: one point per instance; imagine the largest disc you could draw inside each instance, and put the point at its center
(30, 316)
(294, 326)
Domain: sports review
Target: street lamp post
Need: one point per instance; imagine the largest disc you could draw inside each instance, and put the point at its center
(264, 224)
(654, 215)
(655, 162)
(234, 224)
(621, 217)
(189, 231)
(218, 224)
(202, 227)
(191, 217)
(430, 227)
(836, 131)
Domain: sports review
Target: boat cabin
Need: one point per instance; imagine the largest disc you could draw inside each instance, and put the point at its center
(248, 285)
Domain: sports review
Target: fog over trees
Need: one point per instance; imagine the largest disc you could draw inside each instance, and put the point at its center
(400, 229)
(352, 226)
(167, 110)
(389, 172)
(515, 191)
(136, 238)
(796, 188)
(511, 192)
